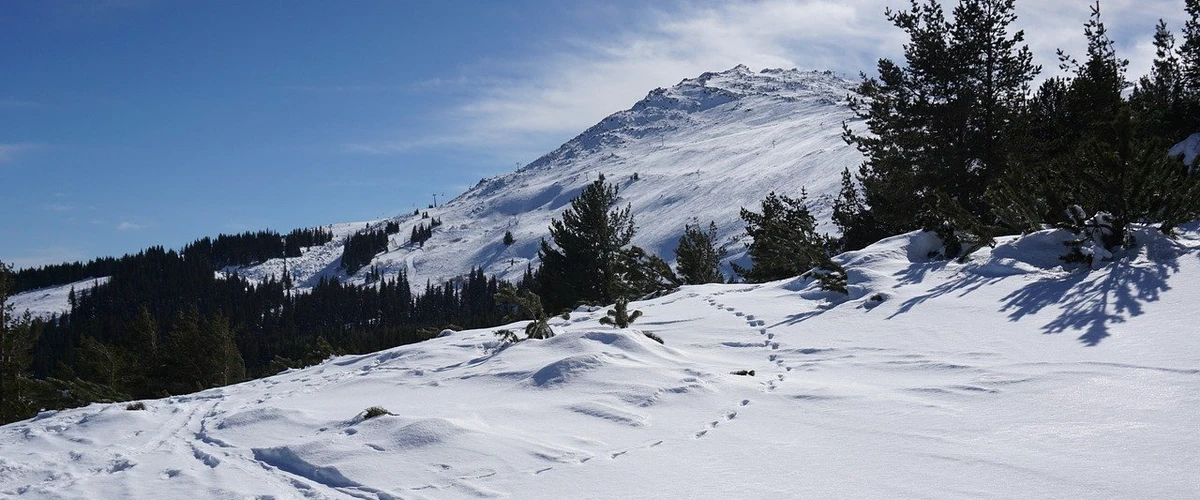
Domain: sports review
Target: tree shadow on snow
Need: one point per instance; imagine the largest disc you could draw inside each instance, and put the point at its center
(1088, 302)
(1092, 302)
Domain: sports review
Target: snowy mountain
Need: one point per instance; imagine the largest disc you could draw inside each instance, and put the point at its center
(1005, 377)
(703, 148)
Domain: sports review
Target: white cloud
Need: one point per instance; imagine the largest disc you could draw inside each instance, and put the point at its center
(10, 152)
(579, 81)
(129, 226)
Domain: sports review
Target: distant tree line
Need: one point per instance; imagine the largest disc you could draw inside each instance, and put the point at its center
(361, 247)
(166, 323)
(224, 250)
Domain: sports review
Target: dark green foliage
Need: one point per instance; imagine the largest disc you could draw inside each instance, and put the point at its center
(507, 336)
(852, 217)
(641, 274)
(304, 238)
(945, 120)
(18, 336)
(136, 406)
(620, 316)
(508, 238)
(960, 231)
(785, 240)
(156, 328)
(582, 264)
(421, 233)
(1095, 153)
(524, 304)
(374, 411)
(653, 336)
(391, 227)
(361, 248)
(697, 255)
(743, 373)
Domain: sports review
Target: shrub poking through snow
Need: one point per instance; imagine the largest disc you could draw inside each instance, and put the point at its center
(619, 316)
(375, 411)
(525, 304)
(1096, 238)
(136, 406)
(654, 337)
(507, 336)
(749, 373)
(831, 277)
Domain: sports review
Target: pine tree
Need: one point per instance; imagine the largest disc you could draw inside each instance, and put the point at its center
(785, 240)
(508, 238)
(582, 263)
(620, 316)
(17, 339)
(852, 217)
(697, 255)
(944, 121)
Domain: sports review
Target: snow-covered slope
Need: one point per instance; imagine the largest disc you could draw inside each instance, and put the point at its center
(703, 148)
(1006, 377)
(54, 300)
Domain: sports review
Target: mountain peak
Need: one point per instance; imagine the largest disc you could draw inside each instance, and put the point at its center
(666, 109)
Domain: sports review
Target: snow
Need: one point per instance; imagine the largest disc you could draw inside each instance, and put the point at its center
(1189, 149)
(1007, 376)
(54, 300)
(703, 148)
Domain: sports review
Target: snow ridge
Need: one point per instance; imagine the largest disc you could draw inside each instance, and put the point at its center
(703, 148)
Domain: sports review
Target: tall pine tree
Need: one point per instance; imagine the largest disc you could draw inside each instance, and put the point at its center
(942, 122)
(582, 264)
(697, 255)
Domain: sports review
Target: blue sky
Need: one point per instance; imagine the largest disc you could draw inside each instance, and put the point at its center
(127, 123)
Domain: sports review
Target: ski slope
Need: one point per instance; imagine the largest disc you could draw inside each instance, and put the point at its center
(703, 148)
(1004, 377)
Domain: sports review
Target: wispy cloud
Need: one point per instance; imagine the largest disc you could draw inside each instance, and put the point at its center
(10, 152)
(59, 207)
(577, 82)
(129, 226)
(17, 104)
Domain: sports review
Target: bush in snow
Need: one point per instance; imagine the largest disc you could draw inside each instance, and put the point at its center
(507, 336)
(375, 411)
(619, 316)
(136, 406)
(525, 304)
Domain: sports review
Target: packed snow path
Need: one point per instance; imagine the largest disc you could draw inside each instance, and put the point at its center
(1006, 377)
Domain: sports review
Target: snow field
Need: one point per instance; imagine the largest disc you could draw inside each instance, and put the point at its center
(1005, 377)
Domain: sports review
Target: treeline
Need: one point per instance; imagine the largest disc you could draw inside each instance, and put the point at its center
(167, 324)
(224, 250)
(254, 247)
(361, 247)
(58, 274)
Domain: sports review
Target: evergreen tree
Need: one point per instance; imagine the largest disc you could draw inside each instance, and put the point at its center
(508, 238)
(17, 338)
(582, 263)
(697, 255)
(852, 217)
(620, 316)
(785, 240)
(640, 273)
(943, 122)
